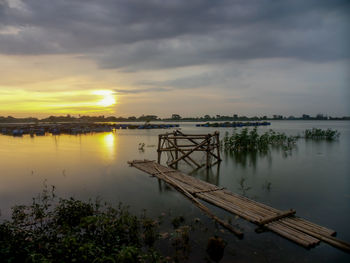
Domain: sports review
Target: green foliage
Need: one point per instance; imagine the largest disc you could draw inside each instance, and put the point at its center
(319, 134)
(70, 230)
(248, 141)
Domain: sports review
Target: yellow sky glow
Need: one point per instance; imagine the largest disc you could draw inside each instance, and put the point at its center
(108, 98)
(22, 102)
(54, 85)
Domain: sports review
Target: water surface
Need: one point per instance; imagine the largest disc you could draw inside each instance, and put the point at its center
(313, 179)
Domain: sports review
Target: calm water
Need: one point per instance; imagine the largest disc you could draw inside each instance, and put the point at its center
(314, 179)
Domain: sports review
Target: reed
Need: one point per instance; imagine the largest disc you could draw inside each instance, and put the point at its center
(320, 134)
(248, 141)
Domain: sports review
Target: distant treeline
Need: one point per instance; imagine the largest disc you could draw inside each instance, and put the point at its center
(174, 117)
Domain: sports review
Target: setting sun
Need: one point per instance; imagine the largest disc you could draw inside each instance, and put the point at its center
(108, 98)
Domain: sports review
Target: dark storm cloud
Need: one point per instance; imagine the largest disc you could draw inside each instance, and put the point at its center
(134, 35)
(225, 77)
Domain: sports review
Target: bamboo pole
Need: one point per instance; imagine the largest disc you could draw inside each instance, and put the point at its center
(218, 146)
(208, 143)
(229, 207)
(298, 235)
(188, 137)
(191, 140)
(176, 151)
(237, 232)
(294, 228)
(172, 149)
(277, 229)
(182, 157)
(296, 232)
(276, 217)
(311, 228)
(158, 150)
(188, 153)
(322, 228)
(328, 239)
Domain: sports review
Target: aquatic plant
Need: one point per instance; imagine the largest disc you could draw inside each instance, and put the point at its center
(181, 243)
(177, 221)
(318, 134)
(247, 141)
(216, 247)
(243, 187)
(267, 185)
(141, 147)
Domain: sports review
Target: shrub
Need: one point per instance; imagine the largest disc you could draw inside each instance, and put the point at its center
(70, 230)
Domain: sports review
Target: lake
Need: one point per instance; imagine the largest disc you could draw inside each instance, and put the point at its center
(313, 179)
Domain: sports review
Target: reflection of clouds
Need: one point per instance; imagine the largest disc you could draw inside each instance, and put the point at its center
(108, 143)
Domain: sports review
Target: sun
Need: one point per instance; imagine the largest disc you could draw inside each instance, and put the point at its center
(108, 98)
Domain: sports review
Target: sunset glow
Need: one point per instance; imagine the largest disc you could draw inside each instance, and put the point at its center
(19, 102)
(107, 98)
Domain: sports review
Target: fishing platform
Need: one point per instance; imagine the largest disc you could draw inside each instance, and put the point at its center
(284, 223)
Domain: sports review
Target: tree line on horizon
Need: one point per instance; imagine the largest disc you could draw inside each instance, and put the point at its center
(174, 117)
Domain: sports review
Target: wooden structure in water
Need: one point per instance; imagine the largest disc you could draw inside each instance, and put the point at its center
(180, 146)
(284, 223)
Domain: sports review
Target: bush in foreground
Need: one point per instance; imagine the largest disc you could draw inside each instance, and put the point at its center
(69, 230)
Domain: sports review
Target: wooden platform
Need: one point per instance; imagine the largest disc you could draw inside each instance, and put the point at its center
(284, 223)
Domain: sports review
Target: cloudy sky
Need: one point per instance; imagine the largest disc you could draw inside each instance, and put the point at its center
(129, 57)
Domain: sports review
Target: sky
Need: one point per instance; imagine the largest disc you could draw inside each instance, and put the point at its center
(160, 57)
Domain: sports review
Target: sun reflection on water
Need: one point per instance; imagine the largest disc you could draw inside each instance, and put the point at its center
(108, 141)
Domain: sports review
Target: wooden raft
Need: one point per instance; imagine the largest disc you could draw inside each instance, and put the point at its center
(284, 223)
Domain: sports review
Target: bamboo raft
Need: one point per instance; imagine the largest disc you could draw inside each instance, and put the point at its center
(284, 223)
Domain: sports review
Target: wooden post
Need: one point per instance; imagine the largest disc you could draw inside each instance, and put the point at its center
(176, 152)
(159, 145)
(208, 150)
(218, 146)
